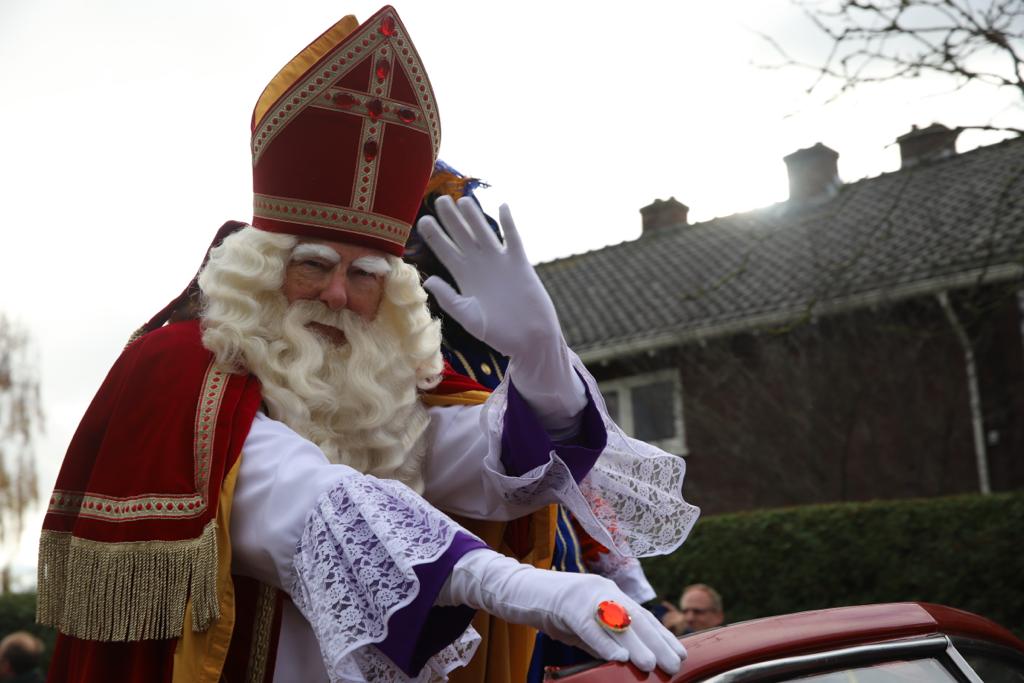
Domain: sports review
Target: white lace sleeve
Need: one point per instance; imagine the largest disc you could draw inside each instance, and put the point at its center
(632, 499)
(626, 572)
(354, 568)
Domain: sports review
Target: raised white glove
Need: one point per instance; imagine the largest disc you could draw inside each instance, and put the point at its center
(504, 304)
(562, 605)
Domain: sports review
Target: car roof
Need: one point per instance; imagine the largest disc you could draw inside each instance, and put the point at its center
(721, 649)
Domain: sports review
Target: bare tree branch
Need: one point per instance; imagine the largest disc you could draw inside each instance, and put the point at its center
(875, 41)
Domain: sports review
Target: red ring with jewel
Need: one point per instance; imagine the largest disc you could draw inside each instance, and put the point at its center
(612, 616)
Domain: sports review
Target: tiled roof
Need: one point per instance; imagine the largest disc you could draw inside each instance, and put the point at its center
(942, 225)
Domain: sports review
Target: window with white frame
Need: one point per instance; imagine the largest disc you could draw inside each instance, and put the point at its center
(649, 407)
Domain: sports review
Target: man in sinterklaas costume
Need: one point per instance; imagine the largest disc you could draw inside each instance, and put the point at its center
(256, 491)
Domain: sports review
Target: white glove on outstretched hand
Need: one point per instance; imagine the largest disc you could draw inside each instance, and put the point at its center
(562, 605)
(504, 304)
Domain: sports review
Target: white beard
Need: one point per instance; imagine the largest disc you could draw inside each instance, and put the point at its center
(356, 401)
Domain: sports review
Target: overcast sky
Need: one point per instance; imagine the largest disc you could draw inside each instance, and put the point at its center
(126, 126)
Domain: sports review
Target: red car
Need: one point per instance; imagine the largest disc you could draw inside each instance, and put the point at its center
(892, 643)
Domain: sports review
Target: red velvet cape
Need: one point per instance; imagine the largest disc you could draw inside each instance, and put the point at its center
(128, 537)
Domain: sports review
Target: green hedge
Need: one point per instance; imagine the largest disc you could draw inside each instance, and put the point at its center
(962, 551)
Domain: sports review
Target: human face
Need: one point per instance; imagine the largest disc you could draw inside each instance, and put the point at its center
(337, 274)
(699, 610)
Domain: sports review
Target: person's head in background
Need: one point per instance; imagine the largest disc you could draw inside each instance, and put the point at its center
(20, 653)
(701, 607)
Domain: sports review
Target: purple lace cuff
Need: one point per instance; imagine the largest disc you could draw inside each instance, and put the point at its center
(371, 561)
(420, 630)
(630, 500)
(525, 444)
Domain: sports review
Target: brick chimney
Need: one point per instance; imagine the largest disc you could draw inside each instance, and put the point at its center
(927, 144)
(813, 172)
(663, 213)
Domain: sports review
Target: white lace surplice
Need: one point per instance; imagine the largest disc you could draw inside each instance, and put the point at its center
(345, 546)
(354, 570)
(361, 537)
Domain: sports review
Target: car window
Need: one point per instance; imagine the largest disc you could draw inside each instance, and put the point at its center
(995, 670)
(910, 671)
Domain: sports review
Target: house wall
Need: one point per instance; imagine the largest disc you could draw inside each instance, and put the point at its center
(994, 322)
(872, 404)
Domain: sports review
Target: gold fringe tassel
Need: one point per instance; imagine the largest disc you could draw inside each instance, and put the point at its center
(127, 591)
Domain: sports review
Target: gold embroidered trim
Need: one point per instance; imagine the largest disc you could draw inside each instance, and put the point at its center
(364, 182)
(126, 591)
(214, 384)
(134, 508)
(330, 216)
(364, 188)
(497, 366)
(412, 65)
(301, 63)
(259, 651)
(148, 505)
(462, 359)
(390, 112)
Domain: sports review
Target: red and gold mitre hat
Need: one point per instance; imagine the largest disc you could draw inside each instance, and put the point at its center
(345, 136)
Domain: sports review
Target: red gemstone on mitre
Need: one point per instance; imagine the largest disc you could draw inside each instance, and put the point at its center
(374, 108)
(407, 115)
(613, 615)
(370, 150)
(383, 69)
(387, 26)
(344, 100)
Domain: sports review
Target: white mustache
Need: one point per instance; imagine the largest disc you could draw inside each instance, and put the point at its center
(303, 312)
